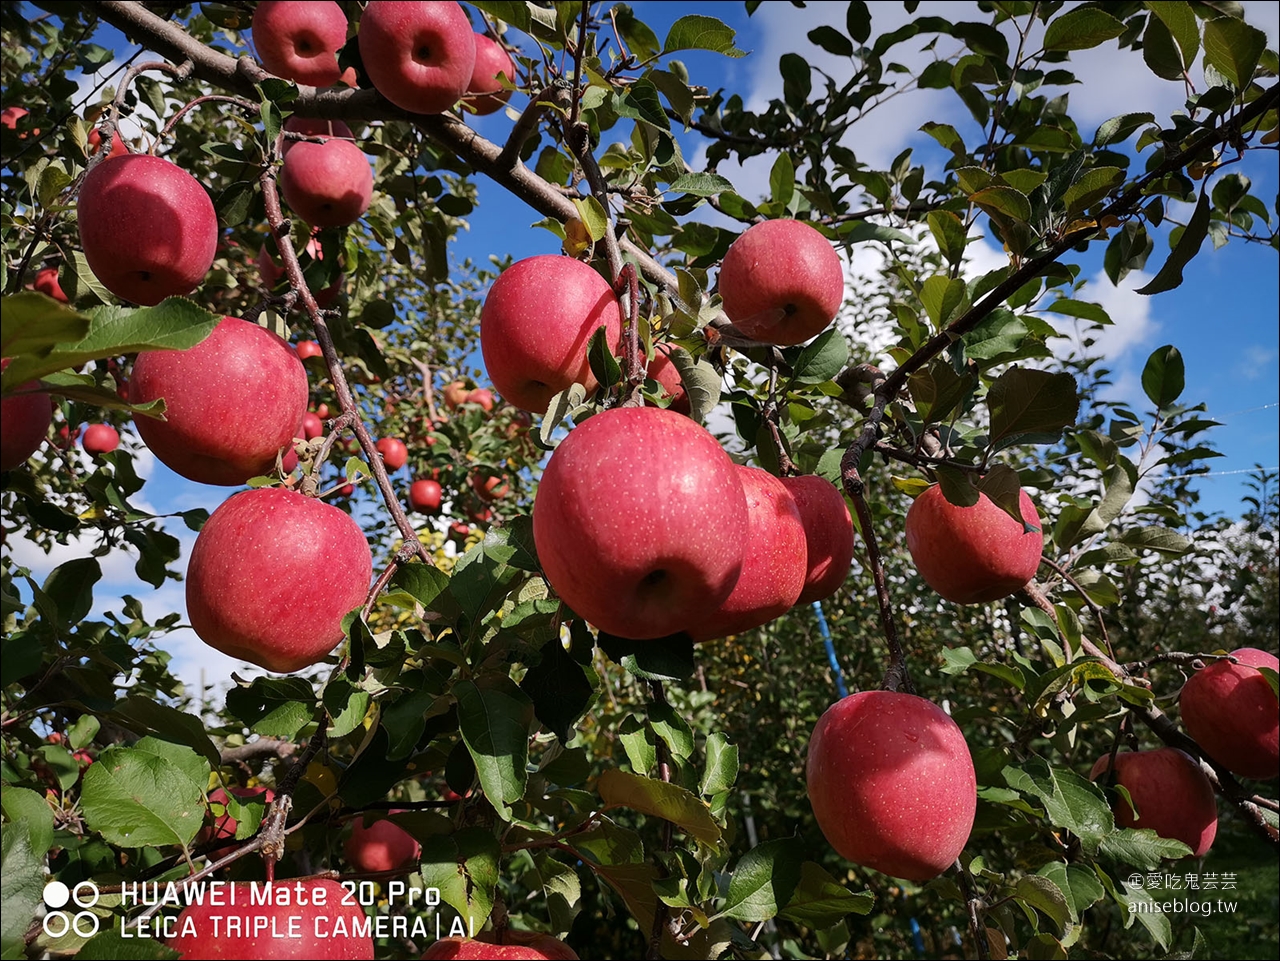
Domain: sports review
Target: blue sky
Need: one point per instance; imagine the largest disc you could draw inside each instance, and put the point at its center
(1223, 318)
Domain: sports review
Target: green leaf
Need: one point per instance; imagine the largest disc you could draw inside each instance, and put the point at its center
(677, 92)
(559, 688)
(782, 180)
(860, 231)
(346, 706)
(1138, 903)
(659, 659)
(1031, 403)
(1002, 487)
(1142, 848)
(1170, 275)
(701, 184)
(149, 794)
(1042, 894)
(495, 729)
(1233, 48)
(820, 359)
(603, 364)
(593, 216)
(145, 715)
(69, 588)
(23, 872)
(274, 706)
(1118, 128)
(81, 387)
(1000, 332)
(659, 799)
(819, 900)
(938, 389)
(1182, 24)
(32, 323)
(701, 383)
(1083, 309)
(1164, 377)
(763, 881)
(422, 581)
(1159, 539)
(1160, 52)
(640, 744)
(1078, 885)
(722, 765)
(858, 20)
(1069, 800)
(464, 867)
(1080, 29)
(831, 40)
(1004, 202)
(560, 407)
(948, 230)
(1092, 186)
(673, 729)
(943, 298)
(29, 807)
(640, 102)
(701, 33)
(1128, 250)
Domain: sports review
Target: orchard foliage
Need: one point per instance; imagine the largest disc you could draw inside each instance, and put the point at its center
(642, 798)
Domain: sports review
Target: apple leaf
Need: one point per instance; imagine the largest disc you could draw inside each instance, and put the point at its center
(701, 33)
(603, 364)
(1042, 894)
(464, 867)
(701, 184)
(1069, 800)
(23, 871)
(493, 725)
(820, 359)
(33, 323)
(1164, 376)
(110, 945)
(943, 298)
(1233, 48)
(659, 799)
(274, 706)
(673, 729)
(722, 765)
(949, 233)
(701, 383)
(639, 742)
(1078, 885)
(346, 705)
(25, 805)
(660, 659)
(1142, 848)
(144, 715)
(1188, 245)
(1081, 29)
(81, 387)
(1031, 406)
(819, 900)
(422, 581)
(149, 794)
(763, 881)
(1002, 487)
(558, 686)
(938, 389)
(562, 405)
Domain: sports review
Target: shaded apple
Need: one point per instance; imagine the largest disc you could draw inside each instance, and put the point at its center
(300, 41)
(485, 93)
(224, 826)
(482, 397)
(47, 283)
(380, 846)
(312, 426)
(24, 423)
(1170, 792)
(828, 535)
(118, 149)
(1232, 713)
(420, 56)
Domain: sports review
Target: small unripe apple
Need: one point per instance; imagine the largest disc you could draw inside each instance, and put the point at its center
(300, 41)
(394, 453)
(231, 403)
(47, 283)
(892, 783)
(24, 424)
(418, 55)
(100, 439)
(511, 945)
(147, 227)
(381, 846)
(781, 282)
(307, 349)
(640, 521)
(828, 535)
(258, 553)
(536, 323)
(664, 371)
(424, 496)
(1172, 796)
(485, 93)
(327, 184)
(1233, 714)
(973, 554)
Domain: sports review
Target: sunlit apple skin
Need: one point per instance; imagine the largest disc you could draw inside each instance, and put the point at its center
(515, 946)
(781, 282)
(640, 521)
(47, 283)
(257, 554)
(325, 930)
(536, 323)
(1172, 796)
(381, 846)
(224, 826)
(828, 535)
(100, 439)
(973, 554)
(663, 370)
(485, 93)
(424, 496)
(394, 453)
(231, 403)
(147, 227)
(1232, 713)
(773, 561)
(300, 41)
(327, 184)
(892, 783)
(24, 424)
(420, 56)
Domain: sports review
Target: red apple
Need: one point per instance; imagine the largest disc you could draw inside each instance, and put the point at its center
(510, 945)
(640, 521)
(260, 552)
(482, 397)
(47, 283)
(535, 326)
(307, 349)
(10, 116)
(270, 271)
(312, 427)
(1172, 796)
(100, 439)
(394, 453)
(224, 825)
(147, 227)
(418, 55)
(489, 487)
(781, 282)
(322, 411)
(828, 535)
(118, 149)
(459, 532)
(24, 424)
(480, 515)
(300, 41)
(231, 403)
(773, 561)
(321, 924)
(289, 462)
(892, 783)
(663, 370)
(485, 93)
(1232, 713)
(973, 554)
(455, 394)
(314, 127)
(424, 496)
(327, 184)
(381, 846)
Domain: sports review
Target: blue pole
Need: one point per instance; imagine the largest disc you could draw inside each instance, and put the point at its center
(831, 649)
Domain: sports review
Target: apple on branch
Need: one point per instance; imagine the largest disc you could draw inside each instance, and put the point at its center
(420, 56)
(380, 846)
(24, 423)
(828, 535)
(1170, 793)
(1233, 714)
(300, 41)
(100, 439)
(485, 92)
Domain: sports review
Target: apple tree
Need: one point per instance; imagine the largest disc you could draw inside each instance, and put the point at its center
(562, 756)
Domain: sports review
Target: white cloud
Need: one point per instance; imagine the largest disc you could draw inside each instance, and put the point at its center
(1257, 360)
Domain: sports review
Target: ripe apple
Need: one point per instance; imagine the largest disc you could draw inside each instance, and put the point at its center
(381, 846)
(535, 326)
(1232, 713)
(100, 439)
(664, 371)
(773, 561)
(489, 487)
(325, 931)
(300, 41)
(892, 783)
(418, 55)
(231, 403)
(485, 93)
(459, 532)
(224, 825)
(482, 397)
(828, 535)
(640, 521)
(510, 945)
(322, 411)
(147, 227)
(314, 127)
(307, 349)
(394, 453)
(1172, 796)
(118, 149)
(327, 184)
(781, 282)
(24, 424)
(312, 426)
(424, 496)
(47, 283)
(260, 552)
(973, 554)
(455, 394)
(10, 116)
